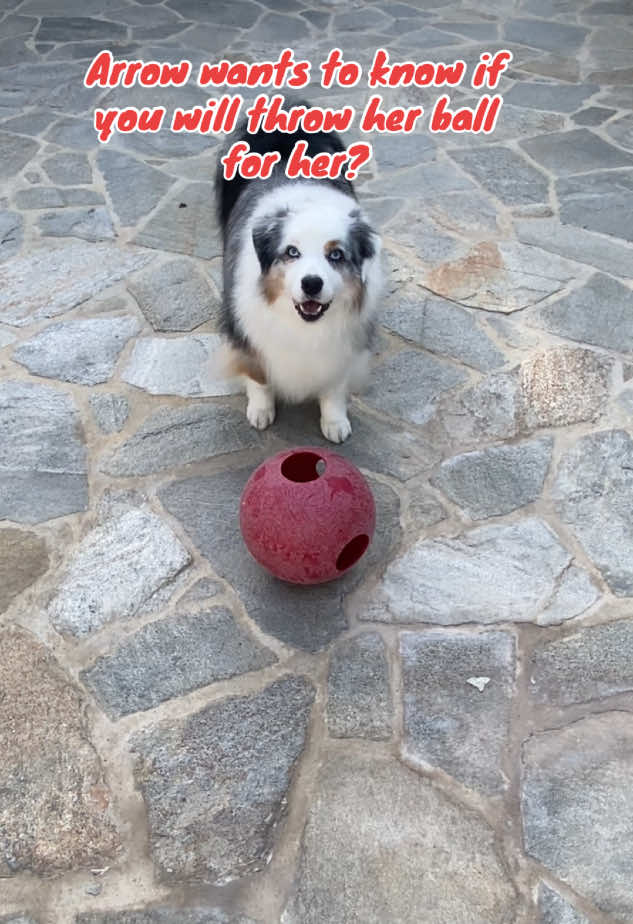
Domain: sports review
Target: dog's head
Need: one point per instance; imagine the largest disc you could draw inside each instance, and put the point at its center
(316, 258)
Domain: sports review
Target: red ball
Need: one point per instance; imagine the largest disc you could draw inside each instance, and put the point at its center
(307, 515)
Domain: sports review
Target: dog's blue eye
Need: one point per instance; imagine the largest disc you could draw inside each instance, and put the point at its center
(292, 252)
(336, 254)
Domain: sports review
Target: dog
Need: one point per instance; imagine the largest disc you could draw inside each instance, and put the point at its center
(301, 280)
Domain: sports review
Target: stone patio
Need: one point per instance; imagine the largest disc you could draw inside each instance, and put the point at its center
(444, 736)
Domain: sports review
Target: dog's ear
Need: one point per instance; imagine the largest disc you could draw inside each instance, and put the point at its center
(266, 240)
(363, 242)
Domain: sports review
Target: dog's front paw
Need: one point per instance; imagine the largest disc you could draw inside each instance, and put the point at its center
(336, 430)
(260, 415)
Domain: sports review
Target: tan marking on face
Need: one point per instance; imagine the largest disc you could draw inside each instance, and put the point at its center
(330, 246)
(272, 284)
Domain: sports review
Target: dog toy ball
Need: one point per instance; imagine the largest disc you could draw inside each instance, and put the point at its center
(307, 515)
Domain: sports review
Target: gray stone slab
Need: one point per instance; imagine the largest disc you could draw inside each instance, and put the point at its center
(563, 38)
(46, 197)
(68, 168)
(304, 617)
(402, 150)
(553, 909)
(449, 722)
(215, 783)
(514, 122)
(72, 132)
(553, 388)
(11, 233)
(134, 188)
(366, 808)
(110, 411)
(32, 124)
(505, 276)
(115, 569)
(577, 807)
(55, 804)
(621, 130)
(358, 695)
(186, 366)
(440, 327)
(494, 481)
(185, 224)
(23, 559)
(165, 914)
(171, 657)
(505, 174)
(554, 97)
(18, 919)
(42, 455)
(67, 28)
(408, 384)
(93, 224)
(239, 13)
(594, 115)
(496, 573)
(83, 351)
(598, 202)
(576, 151)
(591, 664)
(577, 244)
(202, 590)
(177, 436)
(175, 296)
(594, 496)
(57, 277)
(15, 153)
(275, 27)
(600, 312)
(576, 591)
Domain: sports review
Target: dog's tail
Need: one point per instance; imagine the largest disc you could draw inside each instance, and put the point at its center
(228, 191)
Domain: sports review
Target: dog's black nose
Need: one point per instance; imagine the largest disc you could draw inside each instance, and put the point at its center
(311, 285)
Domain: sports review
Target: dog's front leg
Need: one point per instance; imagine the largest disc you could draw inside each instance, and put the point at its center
(260, 408)
(335, 425)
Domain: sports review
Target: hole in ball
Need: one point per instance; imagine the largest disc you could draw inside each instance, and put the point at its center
(303, 466)
(350, 554)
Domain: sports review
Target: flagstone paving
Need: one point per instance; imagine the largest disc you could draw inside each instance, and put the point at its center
(445, 735)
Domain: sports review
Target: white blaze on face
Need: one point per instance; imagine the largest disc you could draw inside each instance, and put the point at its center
(313, 234)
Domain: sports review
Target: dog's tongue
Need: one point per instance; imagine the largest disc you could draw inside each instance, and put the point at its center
(311, 307)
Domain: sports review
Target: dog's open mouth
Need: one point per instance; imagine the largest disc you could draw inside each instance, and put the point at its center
(311, 310)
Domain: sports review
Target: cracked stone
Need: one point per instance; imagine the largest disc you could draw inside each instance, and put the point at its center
(184, 223)
(360, 814)
(555, 97)
(55, 813)
(15, 153)
(598, 202)
(592, 663)
(176, 296)
(92, 224)
(42, 456)
(441, 327)
(554, 909)
(576, 591)
(178, 366)
(593, 491)
(143, 670)
(81, 351)
(273, 604)
(494, 481)
(115, 569)
(215, 783)
(134, 188)
(554, 388)
(358, 698)
(110, 411)
(621, 130)
(449, 723)
(576, 151)
(504, 276)
(11, 233)
(55, 278)
(600, 312)
(23, 559)
(495, 573)
(177, 436)
(408, 384)
(505, 174)
(576, 781)
(68, 168)
(577, 244)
